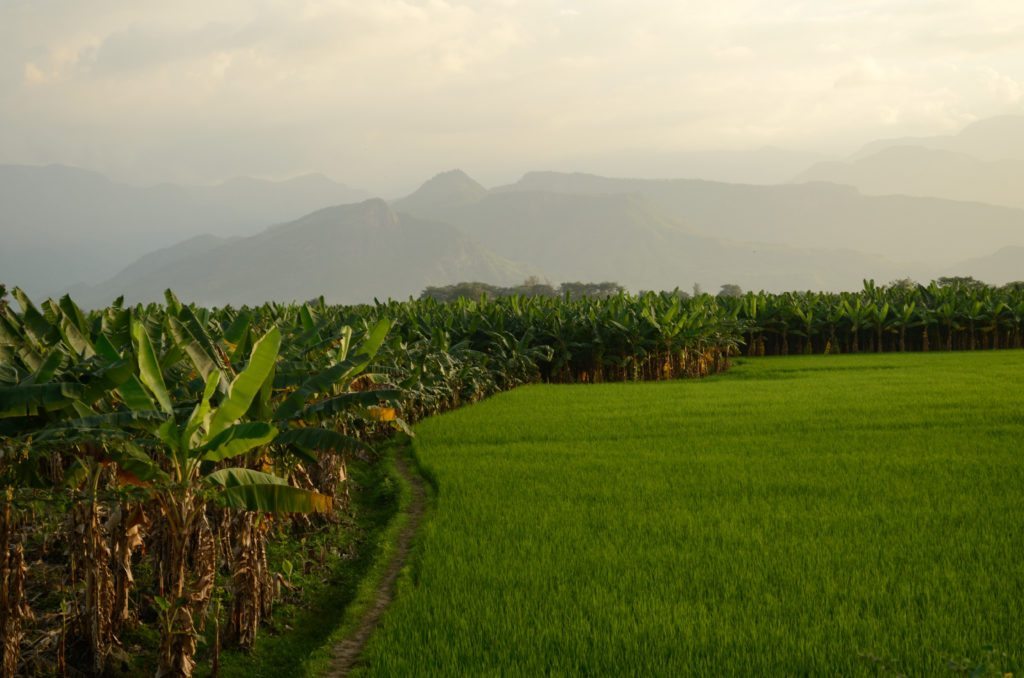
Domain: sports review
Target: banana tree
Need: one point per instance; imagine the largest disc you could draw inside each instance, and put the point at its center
(858, 315)
(185, 470)
(903, 319)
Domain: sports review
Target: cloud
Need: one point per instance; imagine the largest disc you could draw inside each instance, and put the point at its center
(389, 87)
(866, 71)
(1004, 88)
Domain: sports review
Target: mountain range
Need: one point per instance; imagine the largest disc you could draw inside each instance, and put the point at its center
(348, 253)
(63, 225)
(982, 163)
(870, 218)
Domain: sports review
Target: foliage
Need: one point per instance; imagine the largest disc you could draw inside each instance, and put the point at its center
(165, 447)
(948, 314)
(180, 441)
(532, 287)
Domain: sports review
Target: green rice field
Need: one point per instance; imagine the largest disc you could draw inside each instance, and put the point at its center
(820, 515)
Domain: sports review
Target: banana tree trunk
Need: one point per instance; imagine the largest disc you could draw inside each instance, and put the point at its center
(90, 566)
(252, 586)
(125, 530)
(14, 609)
(187, 567)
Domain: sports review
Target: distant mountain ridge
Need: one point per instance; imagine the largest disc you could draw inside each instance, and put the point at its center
(644, 234)
(989, 139)
(63, 225)
(348, 253)
(983, 163)
(581, 227)
(811, 215)
(868, 217)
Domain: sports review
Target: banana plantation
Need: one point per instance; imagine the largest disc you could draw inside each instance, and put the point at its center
(963, 315)
(149, 454)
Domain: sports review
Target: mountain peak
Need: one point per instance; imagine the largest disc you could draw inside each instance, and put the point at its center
(453, 187)
(372, 213)
(452, 177)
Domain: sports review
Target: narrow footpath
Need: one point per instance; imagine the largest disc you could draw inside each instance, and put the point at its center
(347, 652)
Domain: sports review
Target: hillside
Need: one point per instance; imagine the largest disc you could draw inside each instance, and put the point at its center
(62, 225)
(628, 238)
(989, 139)
(982, 163)
(1004, 266)
(919, 171)
(451, 188)
(349, 253)
(813, 215)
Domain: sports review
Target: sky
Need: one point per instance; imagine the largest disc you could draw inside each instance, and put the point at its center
(383, 93)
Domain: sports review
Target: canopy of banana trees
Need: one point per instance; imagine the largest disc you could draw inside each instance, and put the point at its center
(169, 433)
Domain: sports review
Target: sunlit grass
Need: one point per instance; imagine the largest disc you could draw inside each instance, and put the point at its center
(786, 518)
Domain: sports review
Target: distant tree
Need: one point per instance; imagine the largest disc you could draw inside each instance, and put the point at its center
(905, 284)
(1016, 286)
(463, 290)
(964, 282)
(697, 291)
(534, 287)
(682, 294)
(531, 287)
(730, 290)
(579, 290)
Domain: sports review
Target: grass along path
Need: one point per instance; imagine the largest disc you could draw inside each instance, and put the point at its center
(326, 605)
(796, 516)
(346, 653)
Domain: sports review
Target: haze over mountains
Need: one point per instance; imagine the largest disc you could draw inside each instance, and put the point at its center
(983, 163)
(62, 225)
(907, 207)
(348, 253)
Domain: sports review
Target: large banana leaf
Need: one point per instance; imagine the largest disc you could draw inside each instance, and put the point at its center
(197, 353)
(33, 399)
(347, 401)
(247, 384)
(36, 325)
(51, 363)
(135, 395)
(149, 367)
(75, 339)
(104, 423)
(235, 477)
(239, 326)
(321, 439)
(374, 338)
(118, 375)
(202, 409)
(275, 499)
(320, 383)
(236, 440)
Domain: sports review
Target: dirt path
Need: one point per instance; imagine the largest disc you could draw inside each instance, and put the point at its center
(347, 652)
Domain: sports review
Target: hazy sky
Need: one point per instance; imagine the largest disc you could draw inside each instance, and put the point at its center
(380, 93)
